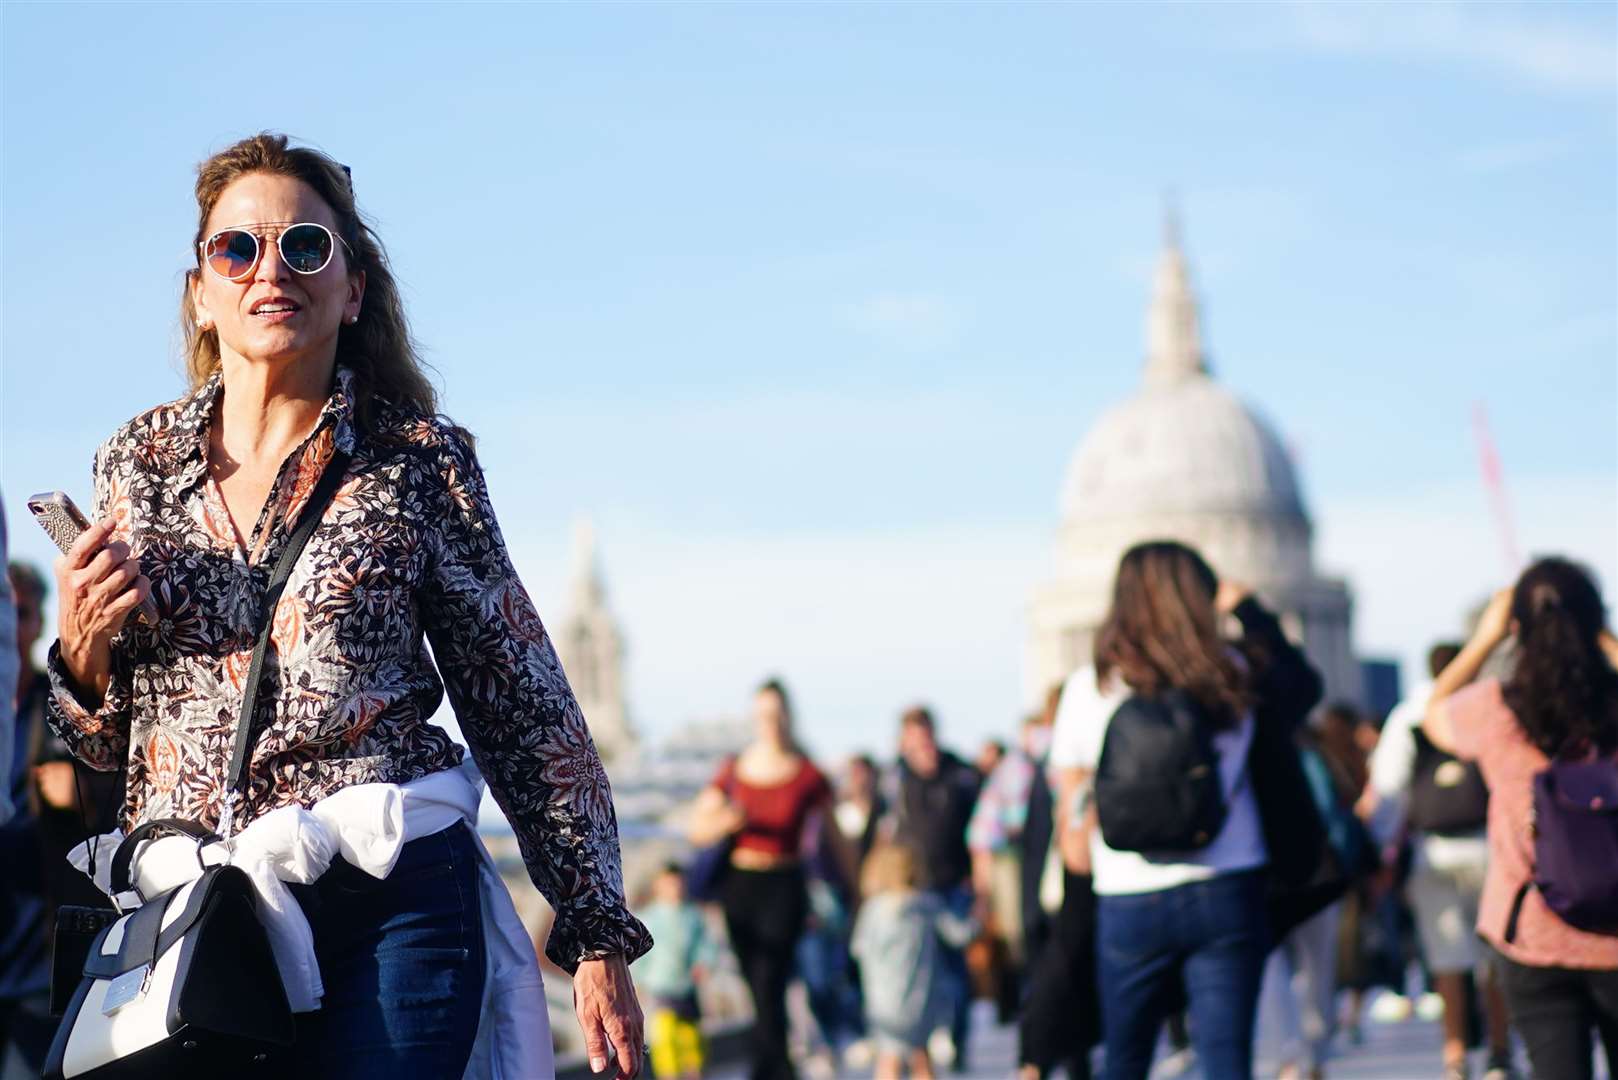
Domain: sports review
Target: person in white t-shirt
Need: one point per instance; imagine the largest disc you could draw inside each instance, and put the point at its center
(1448, 865)
(1197, 916)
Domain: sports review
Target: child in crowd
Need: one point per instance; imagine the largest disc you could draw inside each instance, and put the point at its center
(670, 974)
(898, 940)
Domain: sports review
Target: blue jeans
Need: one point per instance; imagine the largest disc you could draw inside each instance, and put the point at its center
(402, 962)
(823, 964)
(1212, 934)
(956, 980)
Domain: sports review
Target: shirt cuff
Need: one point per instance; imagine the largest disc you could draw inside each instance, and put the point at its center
(81, 717)
(595, 935)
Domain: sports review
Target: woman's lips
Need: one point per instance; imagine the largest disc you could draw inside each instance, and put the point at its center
(276, 314)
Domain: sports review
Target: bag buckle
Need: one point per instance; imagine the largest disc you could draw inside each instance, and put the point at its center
(125, 988)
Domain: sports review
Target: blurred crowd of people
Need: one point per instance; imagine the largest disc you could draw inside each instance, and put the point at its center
(1182, 851)
(1186, 850)
(56, 802)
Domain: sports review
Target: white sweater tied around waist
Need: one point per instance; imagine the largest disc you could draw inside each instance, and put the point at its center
(367, 824)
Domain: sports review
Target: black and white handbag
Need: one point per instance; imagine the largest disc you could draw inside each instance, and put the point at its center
(186, 984)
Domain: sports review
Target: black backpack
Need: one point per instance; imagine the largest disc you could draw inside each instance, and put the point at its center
(1157, 786)
(1447, 796)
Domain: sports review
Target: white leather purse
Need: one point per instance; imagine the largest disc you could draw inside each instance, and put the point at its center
(186, 984)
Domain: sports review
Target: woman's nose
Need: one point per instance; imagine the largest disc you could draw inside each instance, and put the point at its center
(270, 267)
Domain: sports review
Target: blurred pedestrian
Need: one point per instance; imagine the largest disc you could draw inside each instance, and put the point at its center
(1060, 1016)
(994, 836)
(25, 1022)
(1300, 979)
(670, 975)
(1557, 709)
(69, 800)
(761, 803)
(990, 755)
(859, 809)
(1442, 803)
(8, 679)
(1201, 914)
(901, 938)
(857, 817)
(931, 802)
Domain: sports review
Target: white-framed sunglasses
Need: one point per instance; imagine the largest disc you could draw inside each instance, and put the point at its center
(305, 246)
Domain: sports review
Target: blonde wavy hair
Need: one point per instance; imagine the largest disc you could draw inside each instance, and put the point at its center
(890, 867)
(378, 347)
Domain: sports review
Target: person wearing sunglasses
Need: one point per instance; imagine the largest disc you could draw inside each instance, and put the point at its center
(299, 355)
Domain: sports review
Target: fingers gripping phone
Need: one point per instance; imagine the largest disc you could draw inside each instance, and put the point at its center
(63, 522)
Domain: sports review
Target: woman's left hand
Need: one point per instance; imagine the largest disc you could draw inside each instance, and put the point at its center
(608, 1010)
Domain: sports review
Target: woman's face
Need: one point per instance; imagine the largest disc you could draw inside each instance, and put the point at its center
(769, 716)
(275, 315)
(859, 781)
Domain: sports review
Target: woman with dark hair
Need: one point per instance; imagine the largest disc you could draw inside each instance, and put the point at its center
(304, 379)
(1559, 704)
(1199, 916)
(763, 802)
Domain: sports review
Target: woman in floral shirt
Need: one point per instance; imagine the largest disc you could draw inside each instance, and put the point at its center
(297, 348)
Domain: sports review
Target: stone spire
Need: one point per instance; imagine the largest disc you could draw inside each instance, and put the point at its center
(591, 649)
(585, 590)
(1173, 339)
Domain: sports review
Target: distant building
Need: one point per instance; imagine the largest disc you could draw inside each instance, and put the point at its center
(1184, 459)
(658, 791)
(591, 648)
(1383, 688)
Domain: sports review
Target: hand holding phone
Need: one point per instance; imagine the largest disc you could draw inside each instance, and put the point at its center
(104, 574)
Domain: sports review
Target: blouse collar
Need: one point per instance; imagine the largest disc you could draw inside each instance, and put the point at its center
(190, 433)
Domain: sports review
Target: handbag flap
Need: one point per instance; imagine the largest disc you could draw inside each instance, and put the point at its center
(141, 937)
(1591, 787)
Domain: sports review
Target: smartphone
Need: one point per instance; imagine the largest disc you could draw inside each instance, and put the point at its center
(59, 517)
(63, 521)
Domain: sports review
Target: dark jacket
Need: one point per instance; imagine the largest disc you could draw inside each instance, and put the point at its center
(1304, 874)
(931, 814)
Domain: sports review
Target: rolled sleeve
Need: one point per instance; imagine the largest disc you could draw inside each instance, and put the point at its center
(523, 724)
(97, 736)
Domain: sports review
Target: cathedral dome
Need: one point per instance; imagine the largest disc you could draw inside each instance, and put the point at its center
(1184, 447)
(1184, 459)
(1183, 444)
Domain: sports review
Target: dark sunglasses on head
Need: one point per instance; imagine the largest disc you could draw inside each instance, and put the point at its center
(306, 247)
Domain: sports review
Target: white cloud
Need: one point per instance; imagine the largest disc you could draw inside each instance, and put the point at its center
(1522, 42)
(917, 321)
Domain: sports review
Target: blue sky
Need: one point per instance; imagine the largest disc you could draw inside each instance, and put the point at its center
(807, 306)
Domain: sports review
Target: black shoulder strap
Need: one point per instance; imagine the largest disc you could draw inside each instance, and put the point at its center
(318, 499)
(1516, 911)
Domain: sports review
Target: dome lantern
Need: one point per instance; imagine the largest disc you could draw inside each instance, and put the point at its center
(1173, 336)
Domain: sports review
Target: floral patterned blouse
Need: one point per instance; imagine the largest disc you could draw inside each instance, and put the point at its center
(407, 550)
